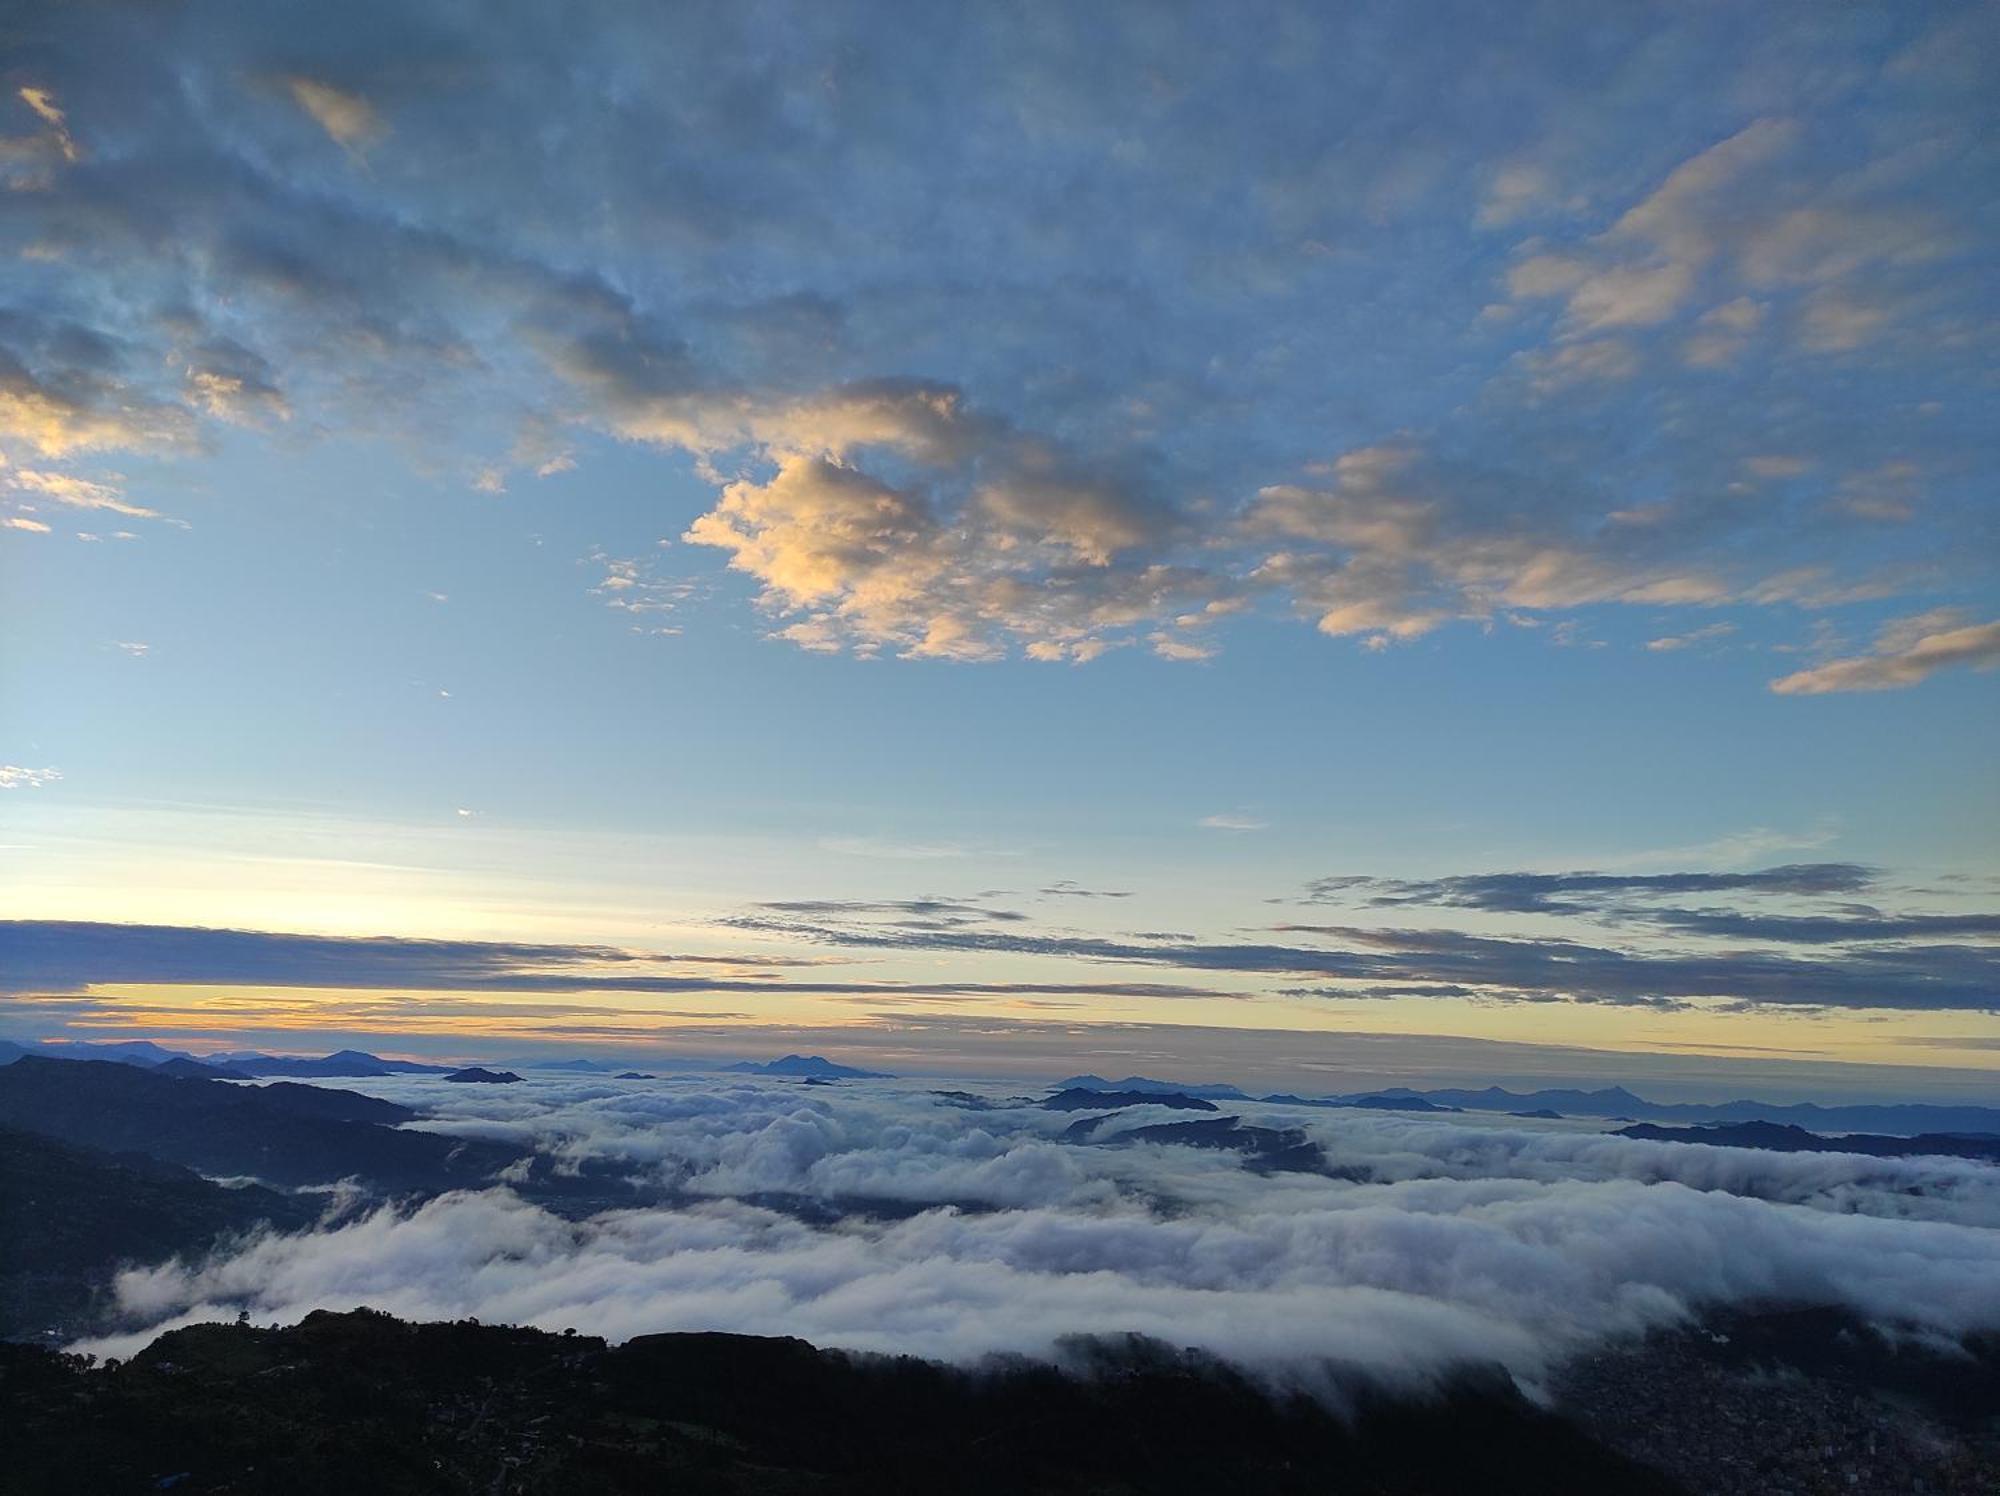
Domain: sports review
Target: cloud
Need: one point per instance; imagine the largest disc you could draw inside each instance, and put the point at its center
(16, 777)
(1117, 440)
(1067, 889)
(882, 1219)
(1447, 961)
(74, 493)
(347, 118)
(30, 161)
(1232, 821)
(234, 384)
(929, 913)
(1740, 215)
(1587, 892)
(1400, 543)
(1036, 552)
(632, 584)
(1707, 634)
(1722, 334)
(1826, 929)
(1907, 653)
(1630, 899)
(51, 956)
(83, 407)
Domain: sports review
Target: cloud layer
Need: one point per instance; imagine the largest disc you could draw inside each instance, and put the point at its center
(1057, 333)
(1909, 960)
(1794, 937)
(880, 1217)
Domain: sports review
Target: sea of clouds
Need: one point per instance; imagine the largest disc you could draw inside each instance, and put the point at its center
(882, 1216)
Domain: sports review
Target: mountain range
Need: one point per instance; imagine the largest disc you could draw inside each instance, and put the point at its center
(1780, 1137)
(350, 1064)
(283, 1132)
(804, 1067)
(1612, 1102)
(69, 1215)
(363, 1402)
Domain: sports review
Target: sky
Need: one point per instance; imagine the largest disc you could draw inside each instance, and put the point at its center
(982, 537)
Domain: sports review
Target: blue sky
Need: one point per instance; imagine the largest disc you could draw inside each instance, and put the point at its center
(586, 480)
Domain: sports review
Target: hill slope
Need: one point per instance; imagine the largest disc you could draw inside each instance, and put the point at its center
(363, 1402)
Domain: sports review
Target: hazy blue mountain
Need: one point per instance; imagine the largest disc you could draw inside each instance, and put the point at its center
(284, 1133)
(1267, 1150)
(807, 1066)
(1085, 1098)
(1384, 1101)
(342, 1064)
(70, 1215)
(575, 1067)
(1616, 1101)
(1212, 1090)
(186, 1069)
(1783, 1138)
(363, 1402)
(123, 1052)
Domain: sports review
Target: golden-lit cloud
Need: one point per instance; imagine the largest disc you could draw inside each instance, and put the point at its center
(347, 118)
(1907, 653)
(73, 492)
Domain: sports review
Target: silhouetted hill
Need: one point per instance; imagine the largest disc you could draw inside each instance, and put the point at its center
(282, 1133)
(1267, 1150)
(1389, 1103)
(184, 1069)
(1210, 1090)
(349, 1064)
(123, 1052)
(479, 1076)
(573, 1067)
(1616, 1102)
(808, 1066)
(361, 1402)
(1780, 1138)
(69, 1216)
(1080, 1099)
(1751, 1401)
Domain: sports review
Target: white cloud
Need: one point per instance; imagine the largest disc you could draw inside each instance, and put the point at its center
(1517, 190)
(1740, 217)
(15, 777)
(347, 118)
(75, 493)
(1232, 821)
(1706, 635)
(1401, 544)
(1468, 1239)
(1907, 653)
(911, 455)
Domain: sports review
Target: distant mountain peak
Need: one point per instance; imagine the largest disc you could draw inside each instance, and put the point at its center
(808, 1066)
(1209, 1090)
